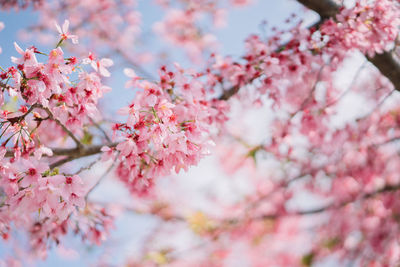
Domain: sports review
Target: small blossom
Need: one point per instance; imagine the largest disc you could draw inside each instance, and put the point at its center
(64, 34)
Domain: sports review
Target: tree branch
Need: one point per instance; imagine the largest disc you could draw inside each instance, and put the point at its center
(101, 130)
(325, 8)
(229, 93)
(79, 151)
(100, 179)
(84, 152)
(51, 116)
(3, 85)
(71, 153)
(76, 153)
(388, 64)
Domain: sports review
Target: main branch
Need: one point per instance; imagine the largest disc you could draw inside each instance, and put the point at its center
(76, 153)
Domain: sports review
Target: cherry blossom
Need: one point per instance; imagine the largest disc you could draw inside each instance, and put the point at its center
(64, 34)
(293, 181)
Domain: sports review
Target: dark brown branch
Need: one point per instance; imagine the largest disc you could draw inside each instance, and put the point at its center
(76, 153)
(325, 8)
(388, 64)
(84, 152)
(229, 93)
(3, 85)
(22, 117)
(71, 153)
(235, 89)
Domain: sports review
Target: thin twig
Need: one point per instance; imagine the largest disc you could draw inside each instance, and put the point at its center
(100, 179)
(51, 116)
(309, 97)
(352, 83)
(377, 106)
(101, 130)
(3, 85)
(61, 162)
(84, 168)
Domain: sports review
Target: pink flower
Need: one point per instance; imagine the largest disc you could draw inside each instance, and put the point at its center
(132, 112)
(165, 108)
(33, 173)
(101, 65)
(240, 3)
(127, 147)
(108, 153)
(134, 78)
(42, 150)
(28, 57)
(64, 34)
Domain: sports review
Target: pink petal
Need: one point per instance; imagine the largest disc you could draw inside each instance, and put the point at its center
(65, 26)
(58, 27)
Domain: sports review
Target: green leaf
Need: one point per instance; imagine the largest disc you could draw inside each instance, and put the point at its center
(252, 153)
(87, 138)
(331, 243)
(307, 259)
(55, 171)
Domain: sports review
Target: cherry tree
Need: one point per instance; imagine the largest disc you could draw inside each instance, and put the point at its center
(59, 143)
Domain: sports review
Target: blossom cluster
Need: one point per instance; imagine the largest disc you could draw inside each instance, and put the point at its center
(173, 122)
(282, 66)
(358, 182)
(370, 28)
(35, 195)
(170, 126)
